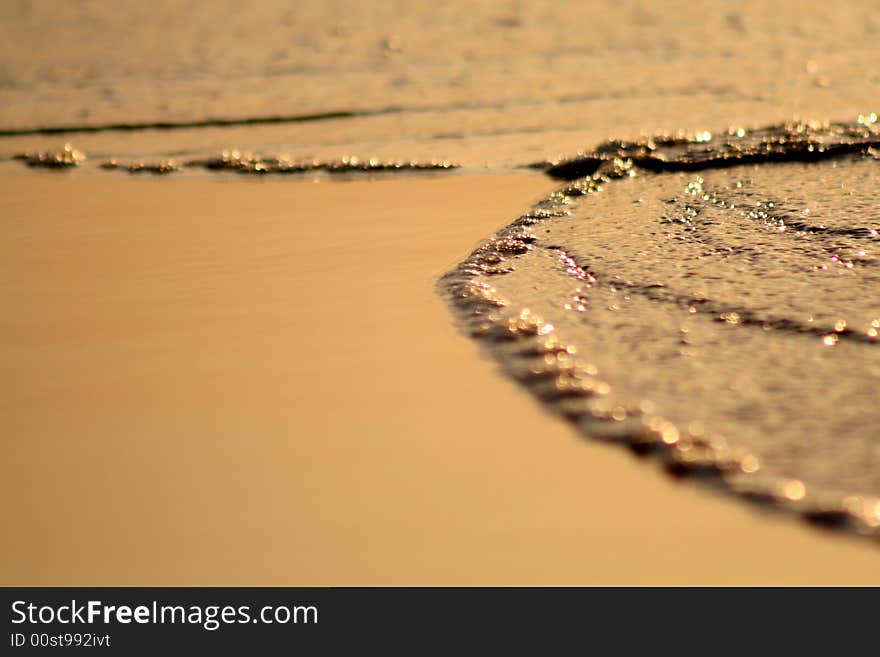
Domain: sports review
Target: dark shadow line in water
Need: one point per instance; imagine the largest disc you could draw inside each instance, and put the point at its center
(733, 315)
(588, 165)
(769, 216)
(333, 115)
(186, 125)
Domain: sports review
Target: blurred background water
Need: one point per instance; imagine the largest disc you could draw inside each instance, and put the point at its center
(486, 83)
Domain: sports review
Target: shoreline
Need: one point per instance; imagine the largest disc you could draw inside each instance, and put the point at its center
(197, 363)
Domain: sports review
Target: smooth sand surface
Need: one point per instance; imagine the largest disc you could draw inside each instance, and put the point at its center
(255, 382)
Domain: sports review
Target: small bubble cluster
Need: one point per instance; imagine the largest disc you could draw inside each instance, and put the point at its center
(66, 158)
(161, 167)
(250, 163)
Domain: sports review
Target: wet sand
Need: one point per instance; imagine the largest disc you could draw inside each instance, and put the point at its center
(255, 382)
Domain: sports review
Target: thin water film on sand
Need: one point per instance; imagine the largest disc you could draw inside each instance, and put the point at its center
(713, 300)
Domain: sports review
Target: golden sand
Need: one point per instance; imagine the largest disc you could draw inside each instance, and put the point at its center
(254, 382)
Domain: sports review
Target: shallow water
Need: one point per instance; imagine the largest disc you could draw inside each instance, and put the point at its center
(497, 83)
(727, 319)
